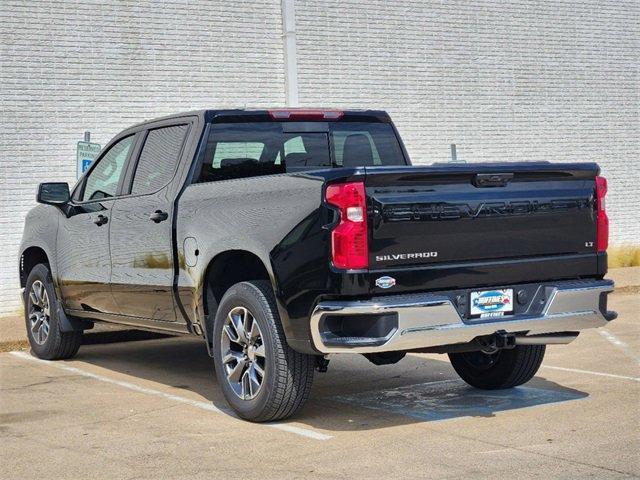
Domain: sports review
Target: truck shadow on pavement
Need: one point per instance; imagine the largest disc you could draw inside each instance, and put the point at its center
(352, 395)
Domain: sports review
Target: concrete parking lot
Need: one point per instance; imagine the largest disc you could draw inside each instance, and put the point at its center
(152, 409)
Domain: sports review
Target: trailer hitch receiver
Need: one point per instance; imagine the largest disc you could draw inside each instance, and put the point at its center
(498, 341)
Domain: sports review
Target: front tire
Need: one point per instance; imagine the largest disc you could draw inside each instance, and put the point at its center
(41, 318)
(262, 378)
(503, 369)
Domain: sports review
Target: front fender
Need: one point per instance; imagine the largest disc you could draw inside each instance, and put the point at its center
(41, 231)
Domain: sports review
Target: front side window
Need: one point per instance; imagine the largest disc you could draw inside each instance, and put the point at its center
(159, 158)
(237, 150)
(102, 181)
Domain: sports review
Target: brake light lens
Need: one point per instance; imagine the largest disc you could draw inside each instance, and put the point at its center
(602, 221)
(349, 244)
(305, 114)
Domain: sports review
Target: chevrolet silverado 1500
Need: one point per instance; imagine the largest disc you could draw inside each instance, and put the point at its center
(283, 236)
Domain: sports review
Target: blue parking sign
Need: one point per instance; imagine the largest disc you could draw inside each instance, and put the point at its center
(86, 153)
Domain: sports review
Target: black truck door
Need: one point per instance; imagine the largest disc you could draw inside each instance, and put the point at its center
(84, 266)
(141, 229)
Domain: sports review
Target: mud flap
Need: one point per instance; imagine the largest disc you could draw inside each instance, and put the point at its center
(67, 324)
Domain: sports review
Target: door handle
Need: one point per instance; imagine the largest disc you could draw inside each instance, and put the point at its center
(100, 220)
(158, 216)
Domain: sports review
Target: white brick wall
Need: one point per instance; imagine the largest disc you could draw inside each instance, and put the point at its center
(554, 80)
(520, 80)
(71, 66)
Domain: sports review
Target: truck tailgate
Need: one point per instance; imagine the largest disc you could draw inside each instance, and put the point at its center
(478, 212)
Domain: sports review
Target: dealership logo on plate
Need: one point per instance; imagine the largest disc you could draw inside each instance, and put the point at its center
(492, 301)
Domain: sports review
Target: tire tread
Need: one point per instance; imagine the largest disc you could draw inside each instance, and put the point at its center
(295, 375)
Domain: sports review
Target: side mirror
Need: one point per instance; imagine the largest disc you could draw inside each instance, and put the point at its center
(54, 193)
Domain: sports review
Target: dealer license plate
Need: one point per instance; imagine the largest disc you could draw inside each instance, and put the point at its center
(491, 303)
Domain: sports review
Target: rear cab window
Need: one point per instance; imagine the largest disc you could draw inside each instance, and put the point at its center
(238, 150)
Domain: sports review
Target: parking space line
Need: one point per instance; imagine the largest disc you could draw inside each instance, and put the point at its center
(620, 344)
(590, 372)
(169, 396)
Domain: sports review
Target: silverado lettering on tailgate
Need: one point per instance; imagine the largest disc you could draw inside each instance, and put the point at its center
(405, 256)
(450, 211)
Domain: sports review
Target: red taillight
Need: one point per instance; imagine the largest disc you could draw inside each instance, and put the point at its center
(305, 114)
(602, 224)
(349, 245)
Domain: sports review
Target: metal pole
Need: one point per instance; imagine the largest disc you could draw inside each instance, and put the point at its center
(290, 58)
(87, 136)
(454, 155)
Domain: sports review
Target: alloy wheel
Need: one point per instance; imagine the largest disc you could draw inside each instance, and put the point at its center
(39, 312)
(243, 353)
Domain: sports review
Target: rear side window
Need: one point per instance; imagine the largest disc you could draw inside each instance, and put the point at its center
(158, 159)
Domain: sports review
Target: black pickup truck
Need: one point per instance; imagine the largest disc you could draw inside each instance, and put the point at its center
(283, 236)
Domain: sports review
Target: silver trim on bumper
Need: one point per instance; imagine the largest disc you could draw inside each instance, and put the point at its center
(429, 320)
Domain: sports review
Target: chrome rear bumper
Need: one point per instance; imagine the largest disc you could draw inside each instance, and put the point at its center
(430, 320)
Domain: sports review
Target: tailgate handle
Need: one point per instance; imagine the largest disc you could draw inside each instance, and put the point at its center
(492, 179)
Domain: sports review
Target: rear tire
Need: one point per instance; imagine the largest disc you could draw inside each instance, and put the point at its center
(504, 369)
(41, 318)
(262, 378)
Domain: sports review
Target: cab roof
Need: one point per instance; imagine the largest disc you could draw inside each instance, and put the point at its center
(279, 115)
